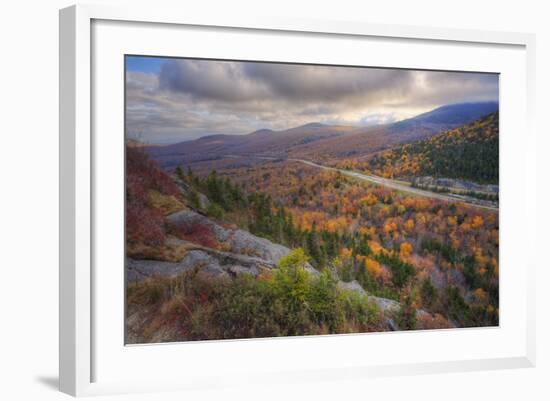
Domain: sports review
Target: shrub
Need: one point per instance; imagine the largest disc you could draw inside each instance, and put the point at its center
(428, 293)
(214, 210)
(429, 322)
(406, 317)
(141, 172)
(402, 271)
(196, 232)
(166, 204)
(144, 225)
(288, 302)
(456, 307)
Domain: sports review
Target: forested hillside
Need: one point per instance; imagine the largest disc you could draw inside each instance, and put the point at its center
(284, 249)
(281, 199)
(441, 256)
(470, 153)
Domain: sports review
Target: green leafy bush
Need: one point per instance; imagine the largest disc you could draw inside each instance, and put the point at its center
(289, 302)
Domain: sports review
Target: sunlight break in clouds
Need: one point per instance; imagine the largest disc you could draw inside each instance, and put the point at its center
(171, 100)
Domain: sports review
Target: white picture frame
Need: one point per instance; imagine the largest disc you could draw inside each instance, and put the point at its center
(79, 155)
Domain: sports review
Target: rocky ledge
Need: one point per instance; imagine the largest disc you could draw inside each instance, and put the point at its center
(245, 254)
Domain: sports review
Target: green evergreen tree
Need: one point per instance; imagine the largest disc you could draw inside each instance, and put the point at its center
(406, 317)
(179, 174)
(364, 248)
(313, 245)
(428, 293)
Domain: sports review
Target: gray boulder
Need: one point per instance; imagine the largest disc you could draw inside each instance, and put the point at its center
(204, 202)
(386, 305)
(239, 241)
(200, 260)
(137, 270)
(351, 286)
(243, 242)
(189, 218)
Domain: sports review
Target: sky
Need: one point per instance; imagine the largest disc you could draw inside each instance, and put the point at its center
(171, 100)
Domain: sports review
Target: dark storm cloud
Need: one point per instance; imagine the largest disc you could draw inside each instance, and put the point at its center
(223, 81)
(191, 98)
(238, 82)
(318, 83)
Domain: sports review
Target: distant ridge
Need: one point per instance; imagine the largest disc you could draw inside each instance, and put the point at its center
(313, 125)
(375, 138)
(450, 115)
(263, 131)
(322, 142)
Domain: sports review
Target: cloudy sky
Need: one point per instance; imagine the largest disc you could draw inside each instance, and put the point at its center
(171, 100)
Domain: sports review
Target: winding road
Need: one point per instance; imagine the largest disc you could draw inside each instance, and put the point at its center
(393, 184)
(389, 183)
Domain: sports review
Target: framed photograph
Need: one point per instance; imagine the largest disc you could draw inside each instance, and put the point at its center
(278, 200)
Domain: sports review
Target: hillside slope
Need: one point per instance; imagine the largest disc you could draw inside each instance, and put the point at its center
(447, 117)
(374, 139)
(470, 152)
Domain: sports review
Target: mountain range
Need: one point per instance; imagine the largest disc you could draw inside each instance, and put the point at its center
(321, 142)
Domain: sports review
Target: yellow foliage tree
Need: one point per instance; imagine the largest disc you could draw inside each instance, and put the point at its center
(409, 225)
(452, 220)
(370, 199)
(405, 249)
(345, 252)
(481, 295)
(373, 267)
(477, 222)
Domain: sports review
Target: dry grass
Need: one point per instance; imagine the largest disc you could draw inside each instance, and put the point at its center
(169, 252)
(166, 204)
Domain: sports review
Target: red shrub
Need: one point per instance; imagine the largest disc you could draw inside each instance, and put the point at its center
(198, 233)
(135, 189)
(144, 224)
(143, 174)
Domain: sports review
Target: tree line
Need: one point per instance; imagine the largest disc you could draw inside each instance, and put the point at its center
(269, 219)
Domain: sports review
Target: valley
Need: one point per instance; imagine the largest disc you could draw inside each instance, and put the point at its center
(224, 231)
(452, 194)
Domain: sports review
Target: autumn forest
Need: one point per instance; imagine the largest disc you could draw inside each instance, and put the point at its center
(326, 227)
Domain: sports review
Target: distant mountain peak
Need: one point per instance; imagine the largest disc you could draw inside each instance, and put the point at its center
(450, 115)
(312, 125)
(308, 126)
(263, 131)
